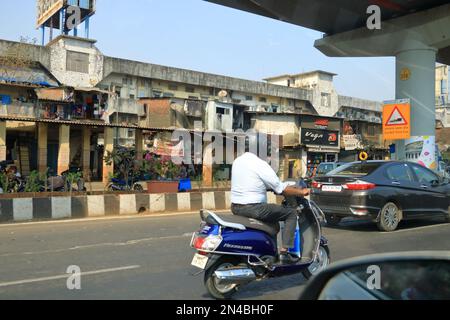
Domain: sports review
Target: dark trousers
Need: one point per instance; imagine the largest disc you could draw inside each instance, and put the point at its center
(271, 213)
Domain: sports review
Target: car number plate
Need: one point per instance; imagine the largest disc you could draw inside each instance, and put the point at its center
(332, 188)
(200, 261)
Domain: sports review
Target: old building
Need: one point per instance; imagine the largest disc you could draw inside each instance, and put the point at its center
(442, 96)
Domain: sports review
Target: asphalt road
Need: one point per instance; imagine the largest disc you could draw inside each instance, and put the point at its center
(149, 257)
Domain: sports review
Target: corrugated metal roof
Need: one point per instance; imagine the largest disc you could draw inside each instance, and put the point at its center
(100, 124)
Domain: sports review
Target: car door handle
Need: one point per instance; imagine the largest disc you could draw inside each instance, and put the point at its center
(396, 183)
(424, 186)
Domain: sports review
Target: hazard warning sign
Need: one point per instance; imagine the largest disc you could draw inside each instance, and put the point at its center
(396, 120)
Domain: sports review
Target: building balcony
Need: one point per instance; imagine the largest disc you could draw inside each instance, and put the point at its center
(51, 112)
(19, 109)
(122, 105)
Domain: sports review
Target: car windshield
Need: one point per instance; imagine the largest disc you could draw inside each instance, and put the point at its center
(355, 169)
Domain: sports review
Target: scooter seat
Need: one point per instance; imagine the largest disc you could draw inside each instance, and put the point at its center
(270, 228)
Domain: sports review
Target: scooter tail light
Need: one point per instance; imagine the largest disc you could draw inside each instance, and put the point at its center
(197, 242)
(209, 243)
(359, 185)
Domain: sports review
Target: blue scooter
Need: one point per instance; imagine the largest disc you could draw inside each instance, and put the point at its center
(234, 250)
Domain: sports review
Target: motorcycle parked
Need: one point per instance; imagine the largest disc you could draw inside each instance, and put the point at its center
(62, 184)
(234, 250)
(122, 185)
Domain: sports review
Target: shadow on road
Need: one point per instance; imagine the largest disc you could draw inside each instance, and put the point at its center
(369, 226)
(273, 288)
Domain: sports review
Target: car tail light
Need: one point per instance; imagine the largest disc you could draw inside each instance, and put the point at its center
(359, 185)
(316, 185)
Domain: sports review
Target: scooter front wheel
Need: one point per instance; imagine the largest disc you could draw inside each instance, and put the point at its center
(321, 262)
(215, 289)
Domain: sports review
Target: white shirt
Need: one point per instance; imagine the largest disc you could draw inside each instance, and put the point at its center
(251, 177)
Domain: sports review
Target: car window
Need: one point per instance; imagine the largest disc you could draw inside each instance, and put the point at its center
(424, 175)
(324, 168)
(356, 169)
(399, 172)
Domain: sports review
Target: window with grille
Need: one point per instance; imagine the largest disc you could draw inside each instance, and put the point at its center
(173, 87)
(190, 89)
(326, 99)
(77, 62)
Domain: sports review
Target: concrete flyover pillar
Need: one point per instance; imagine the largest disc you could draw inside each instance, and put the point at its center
(64, 149)
(2, 140)
(86, 156)
(42, 147)
(108, 170)
(415, 80)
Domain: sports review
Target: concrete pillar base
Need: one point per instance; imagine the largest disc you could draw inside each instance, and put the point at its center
(108, 170)
(42, 147)
(415, 80)
(86, 156)
(2, 140)
(64, 149)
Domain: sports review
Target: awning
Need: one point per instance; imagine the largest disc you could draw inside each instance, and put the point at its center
(32, 75)
(94, 90)
(54, 94)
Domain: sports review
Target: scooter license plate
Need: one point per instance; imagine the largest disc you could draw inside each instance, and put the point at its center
(200, 261)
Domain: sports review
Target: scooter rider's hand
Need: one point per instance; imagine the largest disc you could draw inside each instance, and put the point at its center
(296, 192)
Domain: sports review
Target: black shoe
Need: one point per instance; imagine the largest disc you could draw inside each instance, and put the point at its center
(287, 258)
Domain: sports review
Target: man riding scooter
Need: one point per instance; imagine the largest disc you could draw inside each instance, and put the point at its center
(250, 179)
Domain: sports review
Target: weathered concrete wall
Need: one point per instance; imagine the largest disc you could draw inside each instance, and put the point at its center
(360, 103)
(30, 51)
(283, 125)
(147, 70)
(58, 64)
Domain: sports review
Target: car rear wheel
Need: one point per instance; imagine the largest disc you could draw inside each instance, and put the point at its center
(333, 220)
(390, 217)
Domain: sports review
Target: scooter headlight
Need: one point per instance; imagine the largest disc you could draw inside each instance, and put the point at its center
(211, 243)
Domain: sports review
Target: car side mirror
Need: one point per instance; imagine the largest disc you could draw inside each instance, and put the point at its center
(396, 276)
(436, 183)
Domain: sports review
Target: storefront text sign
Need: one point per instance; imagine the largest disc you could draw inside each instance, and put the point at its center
(352, 142)
(320, 137)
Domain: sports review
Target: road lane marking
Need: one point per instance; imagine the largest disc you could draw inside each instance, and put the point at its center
(64, 276)
(96, 245)
(417, 228)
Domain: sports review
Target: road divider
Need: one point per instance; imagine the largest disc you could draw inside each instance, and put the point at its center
(109, 205)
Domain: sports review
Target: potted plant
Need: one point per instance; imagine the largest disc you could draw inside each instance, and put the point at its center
(163, 174)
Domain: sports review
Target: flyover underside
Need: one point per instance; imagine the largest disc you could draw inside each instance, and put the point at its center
(417, 33)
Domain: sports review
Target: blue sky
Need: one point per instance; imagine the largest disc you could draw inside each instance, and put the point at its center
(197, 35)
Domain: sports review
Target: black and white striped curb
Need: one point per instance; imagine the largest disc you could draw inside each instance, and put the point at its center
(28, 209)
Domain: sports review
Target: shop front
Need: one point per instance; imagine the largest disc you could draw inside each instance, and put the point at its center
(320, 138)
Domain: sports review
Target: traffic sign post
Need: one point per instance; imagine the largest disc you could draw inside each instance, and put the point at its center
(397, 120)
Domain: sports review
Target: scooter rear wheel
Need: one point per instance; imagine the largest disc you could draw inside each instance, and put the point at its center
(216, 290)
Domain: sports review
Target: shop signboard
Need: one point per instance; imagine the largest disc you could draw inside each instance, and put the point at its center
(352, 142)
(315, 137)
